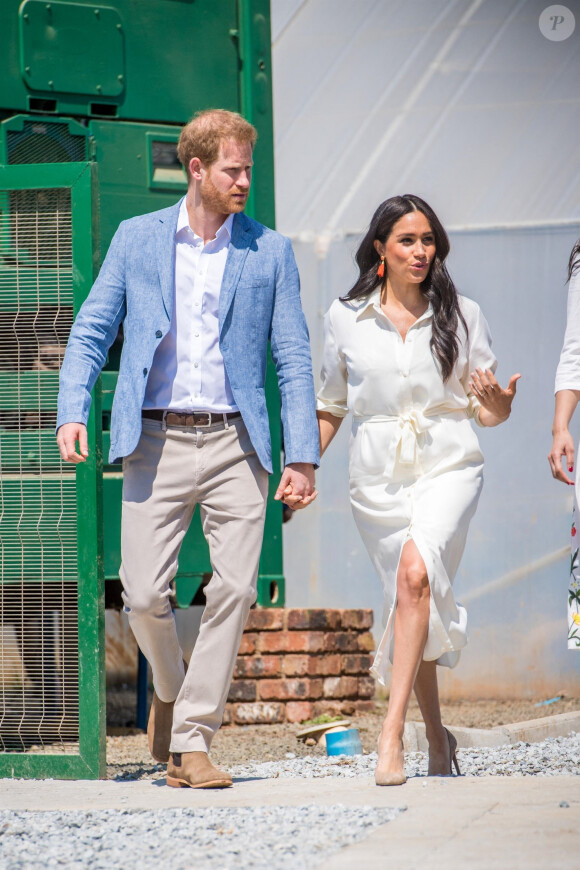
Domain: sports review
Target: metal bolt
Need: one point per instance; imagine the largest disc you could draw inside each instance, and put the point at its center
(97, 12)
(25, 16)
(27, 70)
(99, 88)
(119, 26)
(51, 84)
(48, 7)
(120, 78)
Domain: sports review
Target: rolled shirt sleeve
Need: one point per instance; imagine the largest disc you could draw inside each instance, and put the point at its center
(332, 395)
(568, 371)
(481, 356)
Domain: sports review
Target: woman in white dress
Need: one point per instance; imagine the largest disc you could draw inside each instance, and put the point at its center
(567, 396)
(411, 360)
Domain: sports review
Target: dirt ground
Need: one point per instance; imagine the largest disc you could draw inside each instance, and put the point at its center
(128, 757)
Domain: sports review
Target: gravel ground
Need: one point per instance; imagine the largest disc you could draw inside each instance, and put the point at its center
(287, 838)
(551, 757)
(128, 756)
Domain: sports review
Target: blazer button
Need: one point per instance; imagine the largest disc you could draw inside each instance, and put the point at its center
(158, 334)
(144, 371)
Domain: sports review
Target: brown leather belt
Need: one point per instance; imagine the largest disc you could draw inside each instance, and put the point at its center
(198, 419)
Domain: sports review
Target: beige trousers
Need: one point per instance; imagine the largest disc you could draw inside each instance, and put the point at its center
(169, 473)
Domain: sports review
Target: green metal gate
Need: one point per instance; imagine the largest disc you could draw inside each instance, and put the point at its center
(51, 565)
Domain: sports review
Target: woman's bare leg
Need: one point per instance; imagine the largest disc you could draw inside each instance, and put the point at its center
(427, 695)
(410, 636)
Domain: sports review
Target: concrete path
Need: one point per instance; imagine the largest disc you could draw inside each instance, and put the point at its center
(463, 823)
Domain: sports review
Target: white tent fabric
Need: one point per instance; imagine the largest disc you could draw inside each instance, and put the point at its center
(468, 104)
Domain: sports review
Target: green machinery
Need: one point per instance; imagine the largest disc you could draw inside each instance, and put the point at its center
(92, 98)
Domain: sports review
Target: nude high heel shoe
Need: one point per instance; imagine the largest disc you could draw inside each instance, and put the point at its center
(387, 777)
(452, 753)
(452, 757)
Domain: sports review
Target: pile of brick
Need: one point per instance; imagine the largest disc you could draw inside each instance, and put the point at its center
(295, 664)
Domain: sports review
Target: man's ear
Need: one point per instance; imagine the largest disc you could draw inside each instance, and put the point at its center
(195, 165)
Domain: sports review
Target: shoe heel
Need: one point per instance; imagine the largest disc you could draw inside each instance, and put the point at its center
(453, 753)
(175, 783)
(456, 764)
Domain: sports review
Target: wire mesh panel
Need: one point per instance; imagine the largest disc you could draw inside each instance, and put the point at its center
(50, 589)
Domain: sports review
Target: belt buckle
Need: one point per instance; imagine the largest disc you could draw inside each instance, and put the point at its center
(202, 425)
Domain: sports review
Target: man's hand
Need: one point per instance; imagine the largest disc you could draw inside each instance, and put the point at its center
(296, 487)
(67, 437)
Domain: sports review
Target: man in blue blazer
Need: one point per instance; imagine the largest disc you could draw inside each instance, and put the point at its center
(200, 290)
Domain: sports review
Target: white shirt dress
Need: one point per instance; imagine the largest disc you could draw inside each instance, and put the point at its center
(416, 468)
(568, 378)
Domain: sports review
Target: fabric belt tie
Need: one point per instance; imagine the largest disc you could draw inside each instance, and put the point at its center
(411, 425)
(197, 419)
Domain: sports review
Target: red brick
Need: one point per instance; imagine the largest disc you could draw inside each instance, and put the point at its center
(356, 664)
(328, 665)
(366, 687)
(248, 645)
(318, 620)
(298, 711)
(364, 706)
(289, 690)
(340, 687)
(242, 690)
(365, 642)
(257, 666)
(333, 708)
(348, 708)
(341, 641)
(267, 619)
(298, 665)
(290, 641)
(360, 620)
(259, 714)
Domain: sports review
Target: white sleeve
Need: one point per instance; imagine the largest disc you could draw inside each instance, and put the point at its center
(568, 372)
(480, 356)
(332, 395)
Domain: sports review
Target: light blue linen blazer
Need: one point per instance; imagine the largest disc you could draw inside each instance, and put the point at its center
(259, 302)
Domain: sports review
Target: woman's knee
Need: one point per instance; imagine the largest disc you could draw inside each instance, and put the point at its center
(412, 582)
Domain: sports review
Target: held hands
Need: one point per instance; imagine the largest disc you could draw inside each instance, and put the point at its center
(67, 437)
(495, 403)
(562, 445)
(296, 487)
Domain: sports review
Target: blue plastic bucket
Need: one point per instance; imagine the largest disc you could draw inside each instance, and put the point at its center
(344, 742)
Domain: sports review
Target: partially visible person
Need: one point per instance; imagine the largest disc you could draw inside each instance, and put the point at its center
(412, 361)
(567, 396)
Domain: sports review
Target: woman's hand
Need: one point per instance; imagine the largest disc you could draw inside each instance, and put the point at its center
(496, 404)
(562, 445)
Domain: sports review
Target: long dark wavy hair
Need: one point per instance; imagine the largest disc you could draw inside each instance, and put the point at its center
(574, 262)
(438, 288)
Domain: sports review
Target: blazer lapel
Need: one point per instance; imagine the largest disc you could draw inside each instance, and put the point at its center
(237, 253)
(165, 245)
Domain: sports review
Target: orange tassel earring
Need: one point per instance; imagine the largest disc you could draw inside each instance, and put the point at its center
(381, 269)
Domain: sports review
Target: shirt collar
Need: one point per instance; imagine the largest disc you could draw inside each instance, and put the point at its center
(183, 224)
(373, 300)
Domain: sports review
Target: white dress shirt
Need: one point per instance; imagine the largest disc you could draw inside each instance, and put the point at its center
(568, 373)
(188, 372)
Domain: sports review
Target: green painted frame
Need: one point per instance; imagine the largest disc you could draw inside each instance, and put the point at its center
(90, 762)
